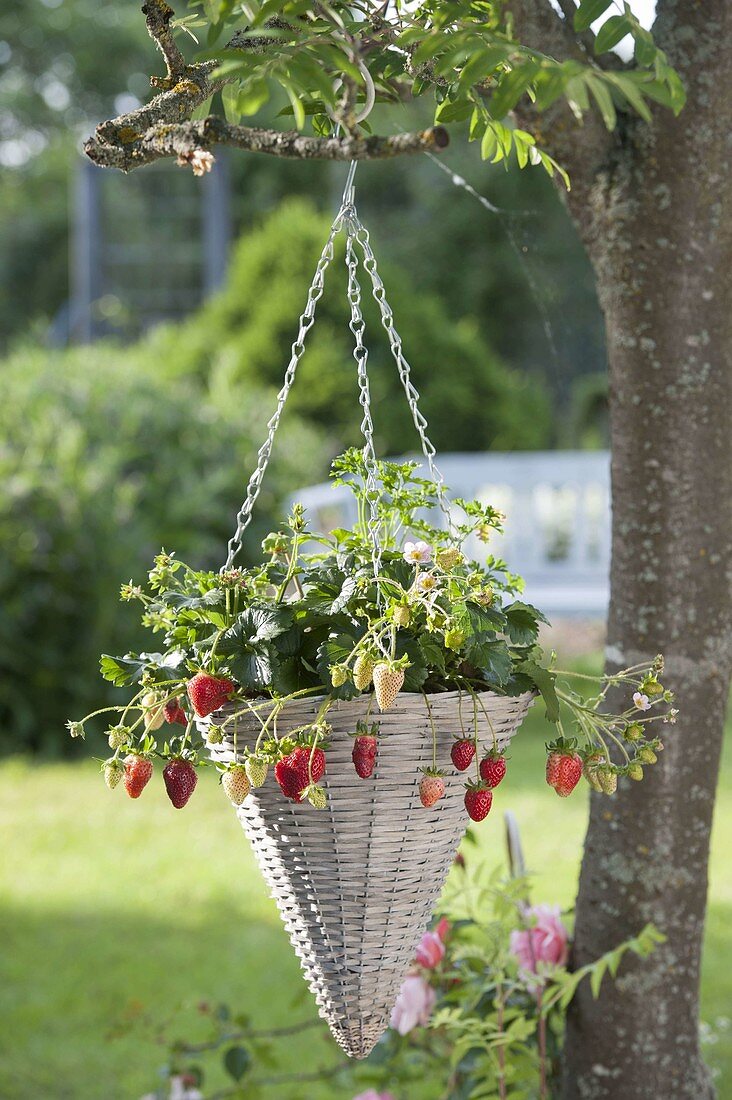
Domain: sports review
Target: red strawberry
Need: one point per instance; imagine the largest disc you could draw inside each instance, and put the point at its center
(478, 801)
(493, 769)
(431, 789)
(208, 693)
(174, 712)
(563, 768)
(365, 748)
(138, 770)
(180, 781)
(462, 753)
(294, 772)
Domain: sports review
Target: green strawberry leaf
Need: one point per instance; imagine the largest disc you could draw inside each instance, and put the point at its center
(493, 658)
(522, 622)
(122, 671)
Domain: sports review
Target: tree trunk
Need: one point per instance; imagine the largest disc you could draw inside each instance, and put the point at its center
(657, 229)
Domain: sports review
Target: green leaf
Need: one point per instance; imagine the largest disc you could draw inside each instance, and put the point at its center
(433, 653)
(253, 669)
(511, 87)
(611, 32)
(588, 12)
(236, 1062)
(122, 671)
(522, 622)
(603, 98)
(252, 96)
(258, 624)
(295, 101)
(229, 98)
(596, 976)
(632, 93)
(493, 659)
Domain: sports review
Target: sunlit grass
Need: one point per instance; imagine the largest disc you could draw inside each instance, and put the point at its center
(117, 913)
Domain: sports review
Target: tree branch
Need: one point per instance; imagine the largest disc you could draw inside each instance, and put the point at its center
(163, 127)
(157, 19)
(123, 148)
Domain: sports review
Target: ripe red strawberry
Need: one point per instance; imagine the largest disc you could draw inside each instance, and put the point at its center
(431, 788)
(365, 748)
(208, 693)
(138, 770)
(173, 712)
(478, 801)
(462, 753)
(563, 768)
(493, 769)
(180, 781)
(295, 772)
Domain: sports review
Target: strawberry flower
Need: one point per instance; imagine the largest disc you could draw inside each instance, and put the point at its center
(372, 1094)
(641, 701)
(417, 553)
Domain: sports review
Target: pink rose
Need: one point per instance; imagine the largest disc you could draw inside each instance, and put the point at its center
(372, 1094)
(430, 950)
(546, 941)
(413, 1005)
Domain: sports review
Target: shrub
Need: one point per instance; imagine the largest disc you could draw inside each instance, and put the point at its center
(244, 335)
(103, 460)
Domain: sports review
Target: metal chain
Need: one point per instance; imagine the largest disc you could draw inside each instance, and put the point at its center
(355, 233)
(357, 326)
(307, 318)
(412, 394)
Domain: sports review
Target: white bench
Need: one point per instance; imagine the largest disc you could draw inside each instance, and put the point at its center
(557, 530)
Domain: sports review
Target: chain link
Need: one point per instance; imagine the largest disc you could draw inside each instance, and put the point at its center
(357, 326)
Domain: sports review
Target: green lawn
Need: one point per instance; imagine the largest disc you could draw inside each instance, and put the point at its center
(116, 912)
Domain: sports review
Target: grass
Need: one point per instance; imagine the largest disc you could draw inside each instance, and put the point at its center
(116, 916)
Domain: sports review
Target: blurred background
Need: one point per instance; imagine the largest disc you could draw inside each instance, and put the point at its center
(145, 323)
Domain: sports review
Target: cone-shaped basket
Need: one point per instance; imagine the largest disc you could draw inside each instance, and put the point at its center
(356, 883)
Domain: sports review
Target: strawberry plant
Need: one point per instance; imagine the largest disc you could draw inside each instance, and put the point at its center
(322, 615)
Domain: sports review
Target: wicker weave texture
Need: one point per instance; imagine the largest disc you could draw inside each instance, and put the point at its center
(356, 884)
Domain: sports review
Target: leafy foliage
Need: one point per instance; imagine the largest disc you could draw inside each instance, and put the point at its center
(463, 52)
(244, 335)
(103, 459)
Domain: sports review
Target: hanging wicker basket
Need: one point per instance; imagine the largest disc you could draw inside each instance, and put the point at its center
(357, 883)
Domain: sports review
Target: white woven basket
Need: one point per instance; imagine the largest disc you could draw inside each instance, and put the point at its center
(356, 884)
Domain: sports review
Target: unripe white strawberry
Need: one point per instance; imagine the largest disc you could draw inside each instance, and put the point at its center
(388, 682)
(235, 784)
(117, 737)
(402, 615)
(153, 711)
(363, 670)
(256, 768)
(338, 675)
(113, 772)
